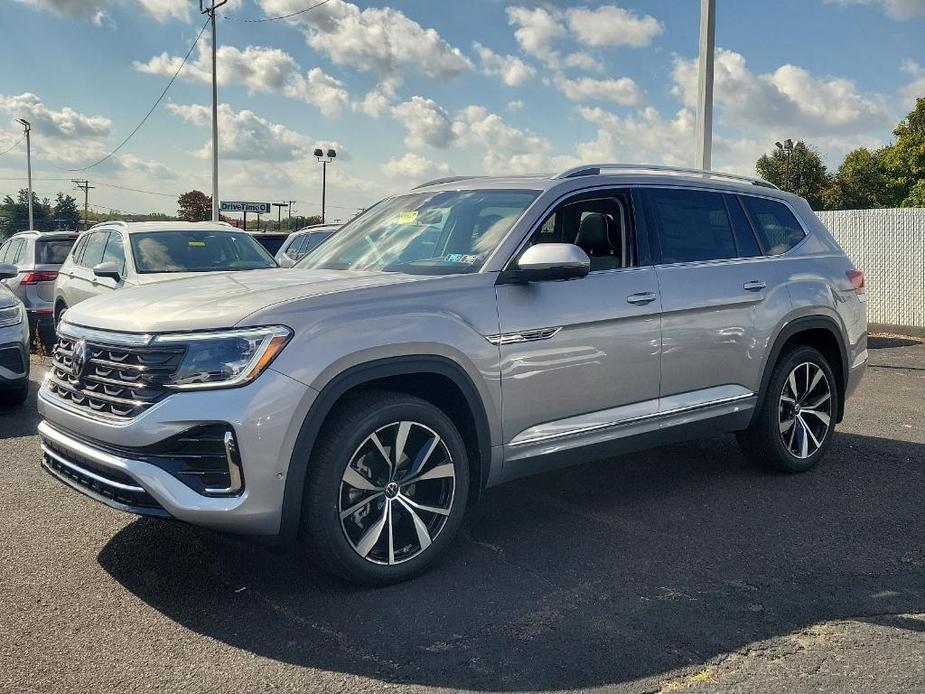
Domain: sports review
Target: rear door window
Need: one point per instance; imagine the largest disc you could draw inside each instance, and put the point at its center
(52, 251)
(689, 225)
(774, 223)
(15, 253)
(295, 246)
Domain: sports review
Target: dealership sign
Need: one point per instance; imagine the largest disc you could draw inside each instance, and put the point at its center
(238, 206)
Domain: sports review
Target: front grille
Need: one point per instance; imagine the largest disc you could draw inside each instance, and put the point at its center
(115, 381)
(11, 359)
(98, 480)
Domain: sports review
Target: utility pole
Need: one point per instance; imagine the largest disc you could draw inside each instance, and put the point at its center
(279, 214)
(705, 84)
(289, 221)
(27, 127)
(86, 188)
(325, 157)
(210, 10)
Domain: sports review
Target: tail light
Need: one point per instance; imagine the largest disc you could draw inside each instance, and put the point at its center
(856, 277)
(37, 276)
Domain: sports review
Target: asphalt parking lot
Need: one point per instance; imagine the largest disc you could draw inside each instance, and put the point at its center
(681, 569)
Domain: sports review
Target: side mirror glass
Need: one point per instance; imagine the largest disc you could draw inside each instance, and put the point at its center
(8, 271)
(546, 262)
(108, 270)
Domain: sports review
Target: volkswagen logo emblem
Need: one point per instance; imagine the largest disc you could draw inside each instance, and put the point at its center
(79, 359)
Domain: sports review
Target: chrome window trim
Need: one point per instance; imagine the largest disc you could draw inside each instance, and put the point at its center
(630, 420)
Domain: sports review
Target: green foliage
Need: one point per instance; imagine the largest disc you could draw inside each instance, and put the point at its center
(195, 206)
(862, 181)
(65, 213)
(916, 196)
(800, 171)
(14, 214)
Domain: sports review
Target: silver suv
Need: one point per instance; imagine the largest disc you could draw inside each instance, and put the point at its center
(469, 332)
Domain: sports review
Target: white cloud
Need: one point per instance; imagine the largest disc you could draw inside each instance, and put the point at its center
(583, 61)
(162, 10)
(65, 123)
(98, 11)
(788, 98)
(382, 40)
(246, 136)
(413, 167)
(610, 25)
(897, 9)
(378, 102)
(537, 28)
(149, 167)
(515, 105)
(260, 69)
(427, 123)
(916, 87)
(510, 69)
(623, 91)
(641, 137)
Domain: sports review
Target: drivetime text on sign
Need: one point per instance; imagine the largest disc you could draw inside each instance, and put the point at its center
(239, 206)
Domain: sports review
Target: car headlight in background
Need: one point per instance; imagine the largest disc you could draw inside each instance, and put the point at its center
(11, 315)
(226, 358)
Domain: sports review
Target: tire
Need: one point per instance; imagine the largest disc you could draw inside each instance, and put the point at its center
(15, 396)
(390, 535)
(60, 308)
(793, 426)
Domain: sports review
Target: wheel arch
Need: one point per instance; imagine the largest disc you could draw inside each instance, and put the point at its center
(418, 375)
(822, 333)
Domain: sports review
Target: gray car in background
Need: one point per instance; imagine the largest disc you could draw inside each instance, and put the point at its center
(37, 257)
(14, 344)
(302, 242)
(466, 333)
(117, 255)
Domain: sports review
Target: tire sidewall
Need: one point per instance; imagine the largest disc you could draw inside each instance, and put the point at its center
(323, 513)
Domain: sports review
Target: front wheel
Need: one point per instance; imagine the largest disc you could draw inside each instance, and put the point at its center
(387, 488)
(793, 426)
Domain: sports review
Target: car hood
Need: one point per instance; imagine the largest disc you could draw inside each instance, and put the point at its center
(217, 300)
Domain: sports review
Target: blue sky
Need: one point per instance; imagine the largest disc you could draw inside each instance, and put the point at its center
(421, 88)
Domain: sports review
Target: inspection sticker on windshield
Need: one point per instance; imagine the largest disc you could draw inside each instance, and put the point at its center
(408, 217)
(462, 258)
(197, 244)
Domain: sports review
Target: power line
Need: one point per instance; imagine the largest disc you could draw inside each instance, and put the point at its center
(150, 111)
(7, 151)
(275, 19)
(137, 190)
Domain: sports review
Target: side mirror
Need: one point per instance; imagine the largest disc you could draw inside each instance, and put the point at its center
(108, 271)
(545, 262)
(8, 271)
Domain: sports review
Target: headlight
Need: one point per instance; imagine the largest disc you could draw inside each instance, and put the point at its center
(225, 358)
(11, 315)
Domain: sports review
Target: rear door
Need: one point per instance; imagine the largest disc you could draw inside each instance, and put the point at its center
(582, 355)
(83, 284)
(720, 300)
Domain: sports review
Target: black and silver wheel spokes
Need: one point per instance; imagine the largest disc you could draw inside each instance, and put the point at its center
(396, 492)
(805, 410)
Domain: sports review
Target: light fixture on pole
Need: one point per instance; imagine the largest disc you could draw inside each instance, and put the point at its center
(325, 157)
(210, 10)
(27, 127)
(786, 148)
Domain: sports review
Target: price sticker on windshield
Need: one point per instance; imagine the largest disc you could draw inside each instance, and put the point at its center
(408, 217)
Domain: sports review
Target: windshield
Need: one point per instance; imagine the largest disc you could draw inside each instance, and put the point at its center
(271, 243)
(197, 251)
(424, 233)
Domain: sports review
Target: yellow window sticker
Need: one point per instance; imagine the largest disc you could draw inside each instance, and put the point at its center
(197, 244)
(408, 217)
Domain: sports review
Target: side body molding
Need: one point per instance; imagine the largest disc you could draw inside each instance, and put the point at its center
(357, 376)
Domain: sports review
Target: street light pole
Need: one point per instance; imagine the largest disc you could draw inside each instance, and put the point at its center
(27, 127)
(210, 10)
(705, 84)
(325, 157)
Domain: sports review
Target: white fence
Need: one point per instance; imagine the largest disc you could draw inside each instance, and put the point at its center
(889, 245)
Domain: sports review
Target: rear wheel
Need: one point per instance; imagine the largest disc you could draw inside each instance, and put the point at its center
(387, 488)
(794, 425)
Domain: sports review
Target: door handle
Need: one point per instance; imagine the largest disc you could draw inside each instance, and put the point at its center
(641, 298)
(754, 286)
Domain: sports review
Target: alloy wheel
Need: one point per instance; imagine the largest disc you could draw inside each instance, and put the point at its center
(805, 410)
(397, 492)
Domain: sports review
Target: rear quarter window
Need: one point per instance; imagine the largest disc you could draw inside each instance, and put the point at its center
(777, 228)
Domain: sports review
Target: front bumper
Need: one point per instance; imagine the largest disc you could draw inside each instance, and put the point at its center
(14, 355)
(265, 415)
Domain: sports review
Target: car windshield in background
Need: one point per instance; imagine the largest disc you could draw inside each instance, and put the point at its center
(197, 251)
(53, 251)
(440, 233)
(271, 243)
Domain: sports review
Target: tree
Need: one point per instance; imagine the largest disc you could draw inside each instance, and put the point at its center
(916, 196)
(195, 206)
(905, 158)
(15, 213)
(862, 182)
(800, 171)
(65, 213)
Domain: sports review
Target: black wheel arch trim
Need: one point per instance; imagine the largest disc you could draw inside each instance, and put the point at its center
(357, 376)
(799, 325)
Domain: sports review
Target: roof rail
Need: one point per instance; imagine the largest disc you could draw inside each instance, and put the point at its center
(596, 169)
(445, 179)
(112, 222)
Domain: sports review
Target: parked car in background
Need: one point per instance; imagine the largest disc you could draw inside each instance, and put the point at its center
(302, 242)
(466, 333)
(115, 255)
(37, 257)
(271, 240)
(14, 343)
